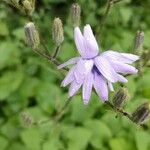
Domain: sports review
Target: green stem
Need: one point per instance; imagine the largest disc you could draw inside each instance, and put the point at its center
(56, 52)
(49, 58)
(122, 112)
(107, 10)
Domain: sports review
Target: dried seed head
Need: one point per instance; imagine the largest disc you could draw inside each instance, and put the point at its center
(142, 113)
(26, 119)
(75, 14)
(138, 41)
(57, 32)
(120, 97)
(32, 35)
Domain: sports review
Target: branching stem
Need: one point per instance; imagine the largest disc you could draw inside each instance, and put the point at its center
(110, 3)
(56, 52)
(122, 112)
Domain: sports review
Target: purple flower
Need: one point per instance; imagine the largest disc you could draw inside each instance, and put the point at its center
(94, 69)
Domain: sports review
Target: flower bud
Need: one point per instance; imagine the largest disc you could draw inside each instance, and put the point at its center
(32, 35)
(142, 113)
(120, 97)
(26, 119)
(138, 41)
(29, 5)
(75, 14)
(57, 32)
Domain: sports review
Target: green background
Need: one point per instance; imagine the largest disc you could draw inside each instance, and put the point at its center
(30, 84)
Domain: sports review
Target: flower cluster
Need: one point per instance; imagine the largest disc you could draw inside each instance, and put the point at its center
(94, 69)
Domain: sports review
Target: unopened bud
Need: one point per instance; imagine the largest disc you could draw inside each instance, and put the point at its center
(29, 5)
(142, 113)
(32, 35)
(57, 32)
(26, 119)
(138, 41)
(120, 97)
(75, 14)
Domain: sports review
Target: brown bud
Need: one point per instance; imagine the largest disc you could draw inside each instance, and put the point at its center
(75, 14)
(120, 97)
(142, 113)
(26, 119)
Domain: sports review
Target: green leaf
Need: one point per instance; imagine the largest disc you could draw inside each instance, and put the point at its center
(120, 144)
(31, 138)
(126, 14)
(67, 51)
(52, 144)
(144, 85)
(131, 86)
(9, 54)
(80, 112)
(19, 33)
(3, 29)
(10, 82)
(10, 128)
(46, 94)
(100, 133)
(3, 143)
(142, 139)
(78, 138)
(16, 146)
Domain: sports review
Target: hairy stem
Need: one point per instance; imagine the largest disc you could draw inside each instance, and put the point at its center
(49, 58)
(107, 10)
(56, 52)
(122, 112)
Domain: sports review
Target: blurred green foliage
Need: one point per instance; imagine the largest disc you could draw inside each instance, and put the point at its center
(30, 84)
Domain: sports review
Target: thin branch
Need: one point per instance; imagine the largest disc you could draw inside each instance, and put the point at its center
(107, 10)
(49, 58)
(58, 116)
(122, 112)
(56, 52)
(63, 111)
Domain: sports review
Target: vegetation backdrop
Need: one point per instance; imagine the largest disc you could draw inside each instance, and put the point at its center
(30, 85)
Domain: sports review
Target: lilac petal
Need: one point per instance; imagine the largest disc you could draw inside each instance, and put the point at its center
(110, 86)
(69, 62)
(106, 69)
(87, 88)
(91, 51)
(121, 57)
(131, 57)
(88, 33)
(123, 68)
(122, 79)
(100, 86)
(90, 42)
(83, 67)
(69, 78)
(74, 87)
(79, 41)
